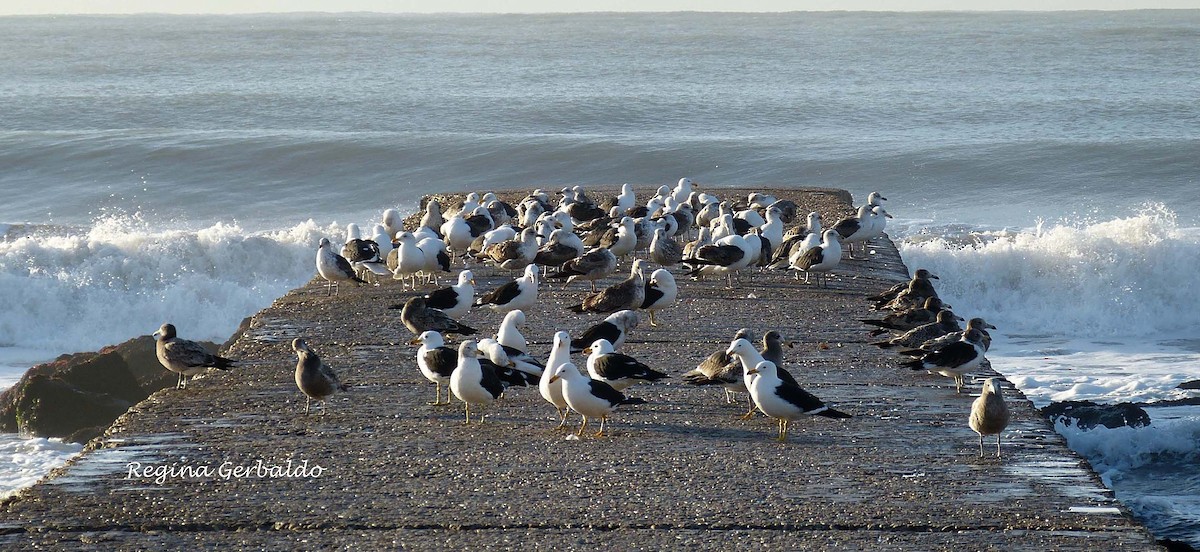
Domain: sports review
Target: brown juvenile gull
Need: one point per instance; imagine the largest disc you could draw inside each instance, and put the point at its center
(665, 250)
(186, 358)
(626, 294)
(937, 343)
(418, 317)
(908, 319)
(721, 368)
(314, 378)
(593, 265)
(989, 414)
(945, 323)
(912, 295)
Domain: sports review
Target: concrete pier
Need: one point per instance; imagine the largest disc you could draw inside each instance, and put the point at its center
(680, 472)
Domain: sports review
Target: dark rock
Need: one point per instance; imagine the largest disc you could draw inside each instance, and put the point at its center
(1087, 414)
(76, 396)
(1194, 384)
(1176, 546)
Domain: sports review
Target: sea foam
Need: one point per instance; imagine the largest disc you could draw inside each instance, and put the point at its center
(73, 289)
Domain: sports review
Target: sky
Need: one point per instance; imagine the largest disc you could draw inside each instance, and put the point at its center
(31, 7)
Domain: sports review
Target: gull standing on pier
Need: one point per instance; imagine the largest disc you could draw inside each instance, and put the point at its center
(615, 329)
(989, 414)
(186, 358)
(820, 259)
(661, 292)
(418, 317)
(436, 362)
(588, 397)
(953, 360)
(314, 378)
(550, 387)
(454, 300)
(520, 293)
(618, 370)
(784, 401)
(626, 294)
(334, 268)
(471, 382)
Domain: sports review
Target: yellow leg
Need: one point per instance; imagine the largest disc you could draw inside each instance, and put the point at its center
(563, 414)
(603, 419)
(653, 322)
(582, 427)
(749, 413)
(437, 393)
(468, 405)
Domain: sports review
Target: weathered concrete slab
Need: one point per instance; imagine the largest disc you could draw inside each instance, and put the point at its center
(678, 472)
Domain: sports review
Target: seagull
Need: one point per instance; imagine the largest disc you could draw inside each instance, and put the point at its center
(393, 222)
(682, 190)
(743, 351)
(919, 285)
(521, 365)
(720, 368)
(432, 218)
(520, 293)
(314, 378)
(725, 256)
(772, 233)
(418, 317)
(496, 357)
(945, 323)
(593, 265)
(457, 234)
(560, 247)
(795, 244)
(454, 300)
(409, 259)
(364, 257)
(855, 229)
(588, 397)
(787, 210)
(989, 414)
(626, 240)
(509, 333)
(665, 250)
(618, 370)
(614, 328)
(551, 388)
(626, 294)
(436, 362)
(514, 254)
(953, 360)
(473, 383)
(784, 401)
(936, 343)
(909, 319)
(914, 294)
(661, 293)
(334, 268)
(437, 260)
(820, 259)
(186, 358)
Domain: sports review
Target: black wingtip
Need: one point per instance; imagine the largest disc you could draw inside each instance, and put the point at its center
(397, 306)
(633, 400)
(914, 364)
(223, 363)
(913, 352)
(835, 414)
(577, 308)
(463, 329)
(883, 344)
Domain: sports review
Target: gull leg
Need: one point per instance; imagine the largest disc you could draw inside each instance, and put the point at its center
(728, 396)
(997, 444)
(749, 413)
(468, 405)
(603, 419)
(981, 445)
(307, 404)
(653, 322)
(437, 393)
(582, 427)
(562, 417)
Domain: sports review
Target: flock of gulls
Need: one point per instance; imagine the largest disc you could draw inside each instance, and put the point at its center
(679, 232)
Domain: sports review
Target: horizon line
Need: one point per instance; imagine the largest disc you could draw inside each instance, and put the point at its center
(584, 12)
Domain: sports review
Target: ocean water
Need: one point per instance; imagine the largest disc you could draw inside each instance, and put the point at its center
(1045, 165)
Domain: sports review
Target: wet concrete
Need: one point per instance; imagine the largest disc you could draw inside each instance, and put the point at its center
(678, 472)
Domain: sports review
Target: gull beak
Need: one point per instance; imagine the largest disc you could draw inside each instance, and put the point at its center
(472, 281)
(992, 327)
(155, 335)
(960, 318)
(790, 344)
(512, 364)
(554, 378)
(753, 371)
(414, 341)
(934, 276)
(587, 351)
(887, 214)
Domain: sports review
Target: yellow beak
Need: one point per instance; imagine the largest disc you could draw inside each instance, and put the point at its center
(553, 379)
